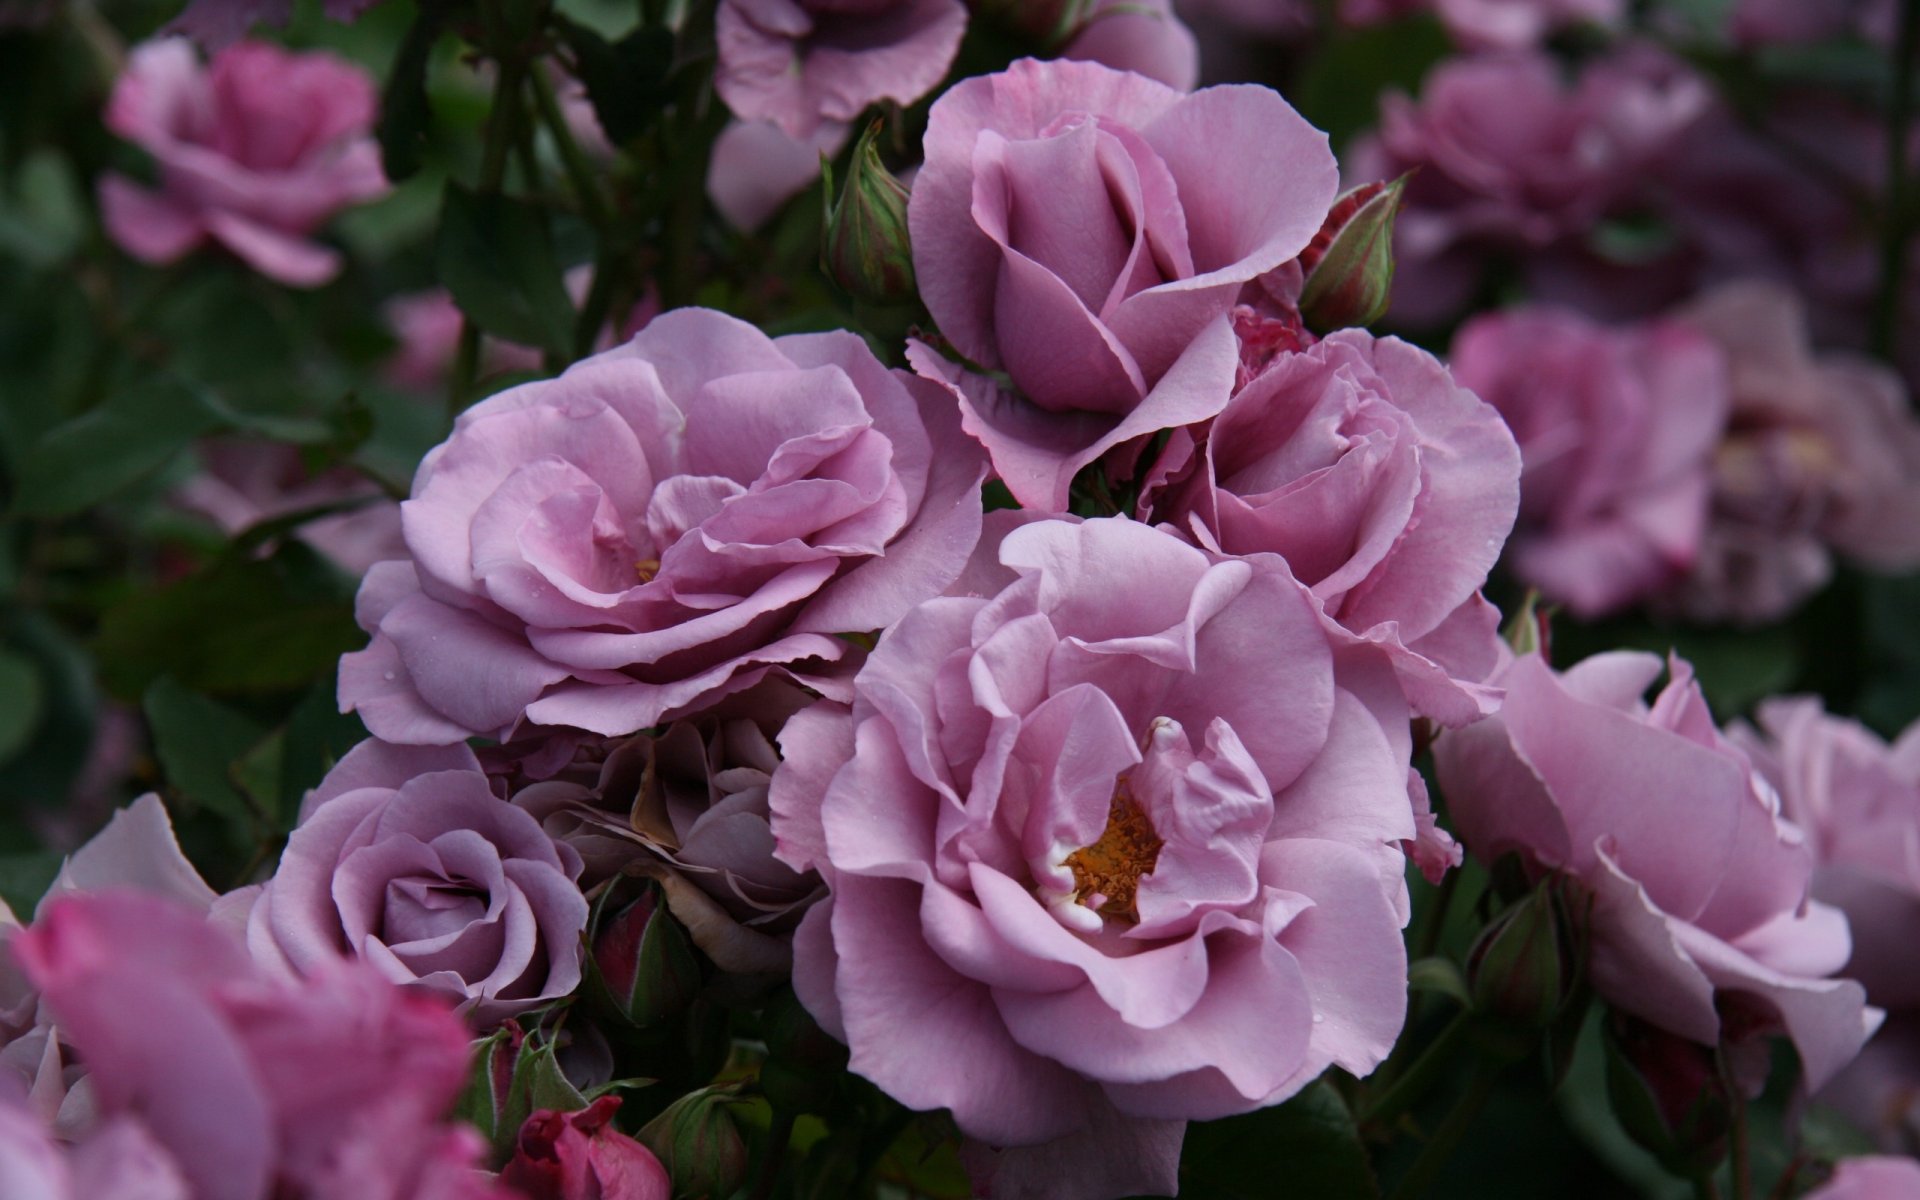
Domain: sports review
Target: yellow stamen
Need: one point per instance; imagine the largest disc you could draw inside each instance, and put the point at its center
(1112, 866)
(647, 568)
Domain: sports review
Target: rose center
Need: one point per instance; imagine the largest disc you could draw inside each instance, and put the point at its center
(1107, 873)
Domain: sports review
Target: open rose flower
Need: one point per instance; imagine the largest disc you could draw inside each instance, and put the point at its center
(1858, 799)
(1086, 231)
(1121, 838)
(219, 1081)
(1617, 430)
(1700, 889)
(1387, 487)
(254, 152)
(664, 524)
(406, 859)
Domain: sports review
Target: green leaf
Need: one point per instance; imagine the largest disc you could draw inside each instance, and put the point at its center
(85, 460)
(1438, 974)
(24, 878)
(496, 256)
(1339, 91)
(626, 80)
(21, 701)
(1310, 1142)
(198, 742)
(405, 115)
(318, 734)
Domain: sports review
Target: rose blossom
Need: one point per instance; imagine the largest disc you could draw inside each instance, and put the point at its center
(1699, 887)
(330, 1089)
(255, 152)
(664, 524)
(1386, 486)
(1087, 231)
(242, 483)
(1122, 838)
(802, 64)
(405, 859)
(1617, 429)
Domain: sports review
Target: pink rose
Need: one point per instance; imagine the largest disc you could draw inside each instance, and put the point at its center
(1387, 487)
(243, 483)
(804, 64)
(1142, 36)
(1617, 430)
(1699, 887)
(406, 859)
(255, 152)
(664, 524)
(1122, 838)
(1087, 231)
(1859, 801)
(1871, 1178)
(427, 327)
(331, 1089)
(580, 1156)
(1822, 455)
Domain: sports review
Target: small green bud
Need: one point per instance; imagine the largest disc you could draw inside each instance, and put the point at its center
(864, 246)
(1519, 971)
(1528, 630)
(1668, 1095)
(643, 966)
(1349, 263)
(699, 1143)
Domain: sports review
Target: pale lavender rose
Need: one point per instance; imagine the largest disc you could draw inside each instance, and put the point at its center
(329, 1089)
(254, 152)
(1121, 835)
(1513, 161)
(808, 64)
(1858, 799)
(1387, 487)
(405, 859)
(243, 483)
(1087, 231)
(1699, 887)
(1822, 456)
(1871, 1178)
(663, 525)
(1617, 430)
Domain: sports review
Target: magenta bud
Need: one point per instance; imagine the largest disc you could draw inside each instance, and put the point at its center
(864, 246)
(1349, 263)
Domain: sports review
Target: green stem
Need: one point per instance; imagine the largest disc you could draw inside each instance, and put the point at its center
(1446, 1139)
(1704, 1188)
(593, 206)
(1896, 222)
(599, 302)
(1737, 1149)
(778, 1135)
(1419, 1078)
(501, 121)
(1437, 915)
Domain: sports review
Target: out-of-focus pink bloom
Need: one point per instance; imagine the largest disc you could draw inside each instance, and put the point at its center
(1822, 456)
(1122, 835)
(665, 524)
(215, 23)
(1871, 1178)
(332, 1089)
(244, 483)
(254, 152)
(405, 859)
(1387, 487)
(1879, 1092)
(757, 167)
(1087, 231)
(1859, 801)
(1493, 24)
(1143, 36)
(1700, 889)
(1617, 429)
(580, 1156)
(805, 64)
(1770, 22)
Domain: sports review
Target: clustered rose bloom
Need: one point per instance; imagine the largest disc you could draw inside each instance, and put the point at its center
(1119, 832)
(1388, 489)
(1699, 887)
(1617, 431)
(254, 152)
(1087, 231)
(664, 524)
(329, 1089)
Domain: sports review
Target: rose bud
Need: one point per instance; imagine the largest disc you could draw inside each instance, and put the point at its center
(488, 1101)
(1519, 970)
(643, 965)
(697, 1139)
(580, 1156)
(1668, 1095)
(863, 242)
(1349, 264)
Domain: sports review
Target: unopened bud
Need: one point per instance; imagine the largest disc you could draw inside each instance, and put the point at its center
(488, 1103)
(1349, 263)
(1668, 1095)
(864, 246)
(643, 965)
(1519, 970)
(1529, 630)
(698, 1141)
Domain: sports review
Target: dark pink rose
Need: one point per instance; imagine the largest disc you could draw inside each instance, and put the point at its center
(580, 1156)
(1387, 487)
(242, 483)
(1699, 887)
(1822, 456)
(1086, 231)
(664, 524)
(248, 1085)
(255, 152)
(406, 859)
(1617, 430)
(1122, 835)
(1859, 801)
(805, 64)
